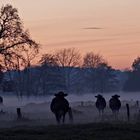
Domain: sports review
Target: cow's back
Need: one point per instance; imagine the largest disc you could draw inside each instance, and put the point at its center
(101, 103)
(114, 104)
(59, 104)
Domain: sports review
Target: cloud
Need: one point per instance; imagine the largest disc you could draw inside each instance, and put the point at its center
(92, 28)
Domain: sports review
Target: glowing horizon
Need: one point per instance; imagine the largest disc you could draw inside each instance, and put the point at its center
(110, 28)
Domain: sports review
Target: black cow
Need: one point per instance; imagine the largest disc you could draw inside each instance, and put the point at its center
(115, 104)
(100, 104)
(60, 106)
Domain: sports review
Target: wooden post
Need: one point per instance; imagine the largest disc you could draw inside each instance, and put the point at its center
(82, 103)
(137, 104)
(19, 115)
(128, 112)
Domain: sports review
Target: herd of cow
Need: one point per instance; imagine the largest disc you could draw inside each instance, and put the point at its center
(60, 106)
(114, 104)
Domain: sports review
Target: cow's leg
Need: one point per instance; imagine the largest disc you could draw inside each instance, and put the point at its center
(64, 117)
(102, 116)
(99, 112)
(114, 114)
(57, 118)
(102, 112)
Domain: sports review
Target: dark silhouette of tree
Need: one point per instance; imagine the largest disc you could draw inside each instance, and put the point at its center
(51, 76)
(14, 40)
(99, 76)
(136, 64)
(68, 59)
(92, 60)
(49, 60)
(29, 56)
(106, 79)
(17, 49)
(133, 81)
(77, 81)
(1, 75)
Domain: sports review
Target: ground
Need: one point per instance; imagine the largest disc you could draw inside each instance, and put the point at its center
(94, 131)
(38, 123)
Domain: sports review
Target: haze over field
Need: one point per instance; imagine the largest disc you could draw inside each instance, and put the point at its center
(111, 28)
(14, 101)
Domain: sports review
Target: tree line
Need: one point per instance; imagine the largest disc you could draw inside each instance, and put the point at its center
(66, 70)
(63, 70)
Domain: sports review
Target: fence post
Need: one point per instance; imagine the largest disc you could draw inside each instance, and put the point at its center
(82, 103)
(128, 112)
(19, 115)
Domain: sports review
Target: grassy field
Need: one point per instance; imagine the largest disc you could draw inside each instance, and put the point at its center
(95, 131)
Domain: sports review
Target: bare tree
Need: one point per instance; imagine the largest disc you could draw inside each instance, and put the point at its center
(13, 38)
(29, 56)
(68, 57)
(17, 49)
(51, 76)
(133, 77)
(48, 60)
(92, 60)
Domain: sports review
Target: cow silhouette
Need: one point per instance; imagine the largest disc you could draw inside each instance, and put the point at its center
(115, 104)
(60, 107)
(100, 104)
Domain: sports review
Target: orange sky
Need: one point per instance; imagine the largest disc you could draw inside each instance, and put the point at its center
(108, 27)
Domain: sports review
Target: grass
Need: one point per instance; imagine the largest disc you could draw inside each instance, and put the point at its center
(95, 131)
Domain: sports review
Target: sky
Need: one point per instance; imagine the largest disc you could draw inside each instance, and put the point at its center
(110, 28)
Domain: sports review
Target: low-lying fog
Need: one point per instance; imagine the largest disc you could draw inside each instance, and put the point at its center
(36, 110)
(10, 100)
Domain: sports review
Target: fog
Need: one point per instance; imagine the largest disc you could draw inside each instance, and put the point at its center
(11, 100)
(36, 110)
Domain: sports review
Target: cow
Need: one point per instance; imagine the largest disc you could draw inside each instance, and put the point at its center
(60, 107)
(115, 104)
(100, 104)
